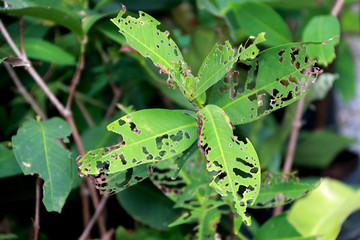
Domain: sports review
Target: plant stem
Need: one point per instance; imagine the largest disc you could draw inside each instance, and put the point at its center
(37, 208)
(198, 103)
(335, 11)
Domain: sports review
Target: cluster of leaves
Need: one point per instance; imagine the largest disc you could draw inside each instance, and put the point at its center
(202, 166)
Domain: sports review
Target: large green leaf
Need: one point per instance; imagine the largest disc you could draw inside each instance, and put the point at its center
(265, 89)
(145, 203)
(8, 164)
(37, 151)
(279, 228)
(324, 210)
(281, 189)
(322, 28)
(146, 136)
(345, 67)
(319, 148)
(49, 10)
(255, 18)
(216, 65)
(142, 34)
(235, 163)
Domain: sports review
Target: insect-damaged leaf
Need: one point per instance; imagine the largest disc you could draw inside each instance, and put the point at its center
(37, 151)
(142, 34)
(216, 65)
(251, 51)
(281, 189)
(146, 136)
(278, 77)
(235, 163)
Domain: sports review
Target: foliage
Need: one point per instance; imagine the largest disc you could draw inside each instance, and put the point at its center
(195, 146)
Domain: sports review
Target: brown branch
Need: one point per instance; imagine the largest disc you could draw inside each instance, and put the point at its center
(22, 90)
(94, 218)
(21, 35)
(37, 208)
(85, 203)
(117, 94)
(335, 11)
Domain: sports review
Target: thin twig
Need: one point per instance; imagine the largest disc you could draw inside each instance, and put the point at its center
(85, 203)
(97, 213)
(335, 11)
(9, 40)
(84, 111)
(21, 35)
(112, 107)
(37, 208)
(22, 90)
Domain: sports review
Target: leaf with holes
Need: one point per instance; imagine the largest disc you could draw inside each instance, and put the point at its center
(216, 65)
(143, 35)
(251, 51)
(147, 136)
(235, 163)
(277, 77)
(37, 151)
(282, 189)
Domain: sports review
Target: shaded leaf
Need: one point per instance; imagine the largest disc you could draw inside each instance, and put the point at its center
(322, 28)
(345, 67)
(266, 90)
(16, 62)
(319, 148)
(324, 210)
(235, 163)
(37, 151)
(255, 18)
(280, 190)
(146, 136)
(279, 228)
(8, 164)
(142, 35)
(145, 203)
(49, 10)
(215, 66)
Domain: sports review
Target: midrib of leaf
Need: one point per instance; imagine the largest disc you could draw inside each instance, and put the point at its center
(159, 134)
(212, 76)
(222, 153)
(155, 53)
(269, 27)
(259, 89)
(201, 224)
(47, 161)
(321, 35)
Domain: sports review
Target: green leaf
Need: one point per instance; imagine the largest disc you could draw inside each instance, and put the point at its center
(235, 163)
(49, 10)
(255, 18)
(145, 203)
(215, 66)
(345, 67)
(324, 210)
(142, 34)
(2, 59)
(146, 136)
(37, 151)
(8, 164)
(319, 148)
(265, 90)
(322, 28)
(208, 221)
(279, 228)
(252, 51)
(280, 190)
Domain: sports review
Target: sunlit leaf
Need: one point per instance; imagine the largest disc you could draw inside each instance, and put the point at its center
(146, 136)
(281, 189)
(323, 211)
(251, 51)
(235, 163)
(37, 151)
(322, 28)
(265, 89)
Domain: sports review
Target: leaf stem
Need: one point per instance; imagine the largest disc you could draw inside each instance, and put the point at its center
(37, 208)
(198, 103)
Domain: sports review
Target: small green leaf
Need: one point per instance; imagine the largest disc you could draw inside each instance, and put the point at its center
(324, 210)
(319, 148)
(252, 51)
(216, 65)
(8, 164)
(279, 228)
(280, 190)
(142, 35)
(322, 28)
(2, 59)
(37, 151)
(255, 18)
(265, 90)
(235, 163)
(146, 136)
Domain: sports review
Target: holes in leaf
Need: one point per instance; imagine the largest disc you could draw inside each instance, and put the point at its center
(187, 135)
(217, 164)
(294, 52)
(143, 14)
(162, 153)
(157, 46)
(122, 158)
(222, 175)
(176, 52)
(241, 190)
(178, 136)
(288, 97)
(244, 162)
(150, 157)
(239, 172)
(121, 122)
(144, 150)
(254, 170)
